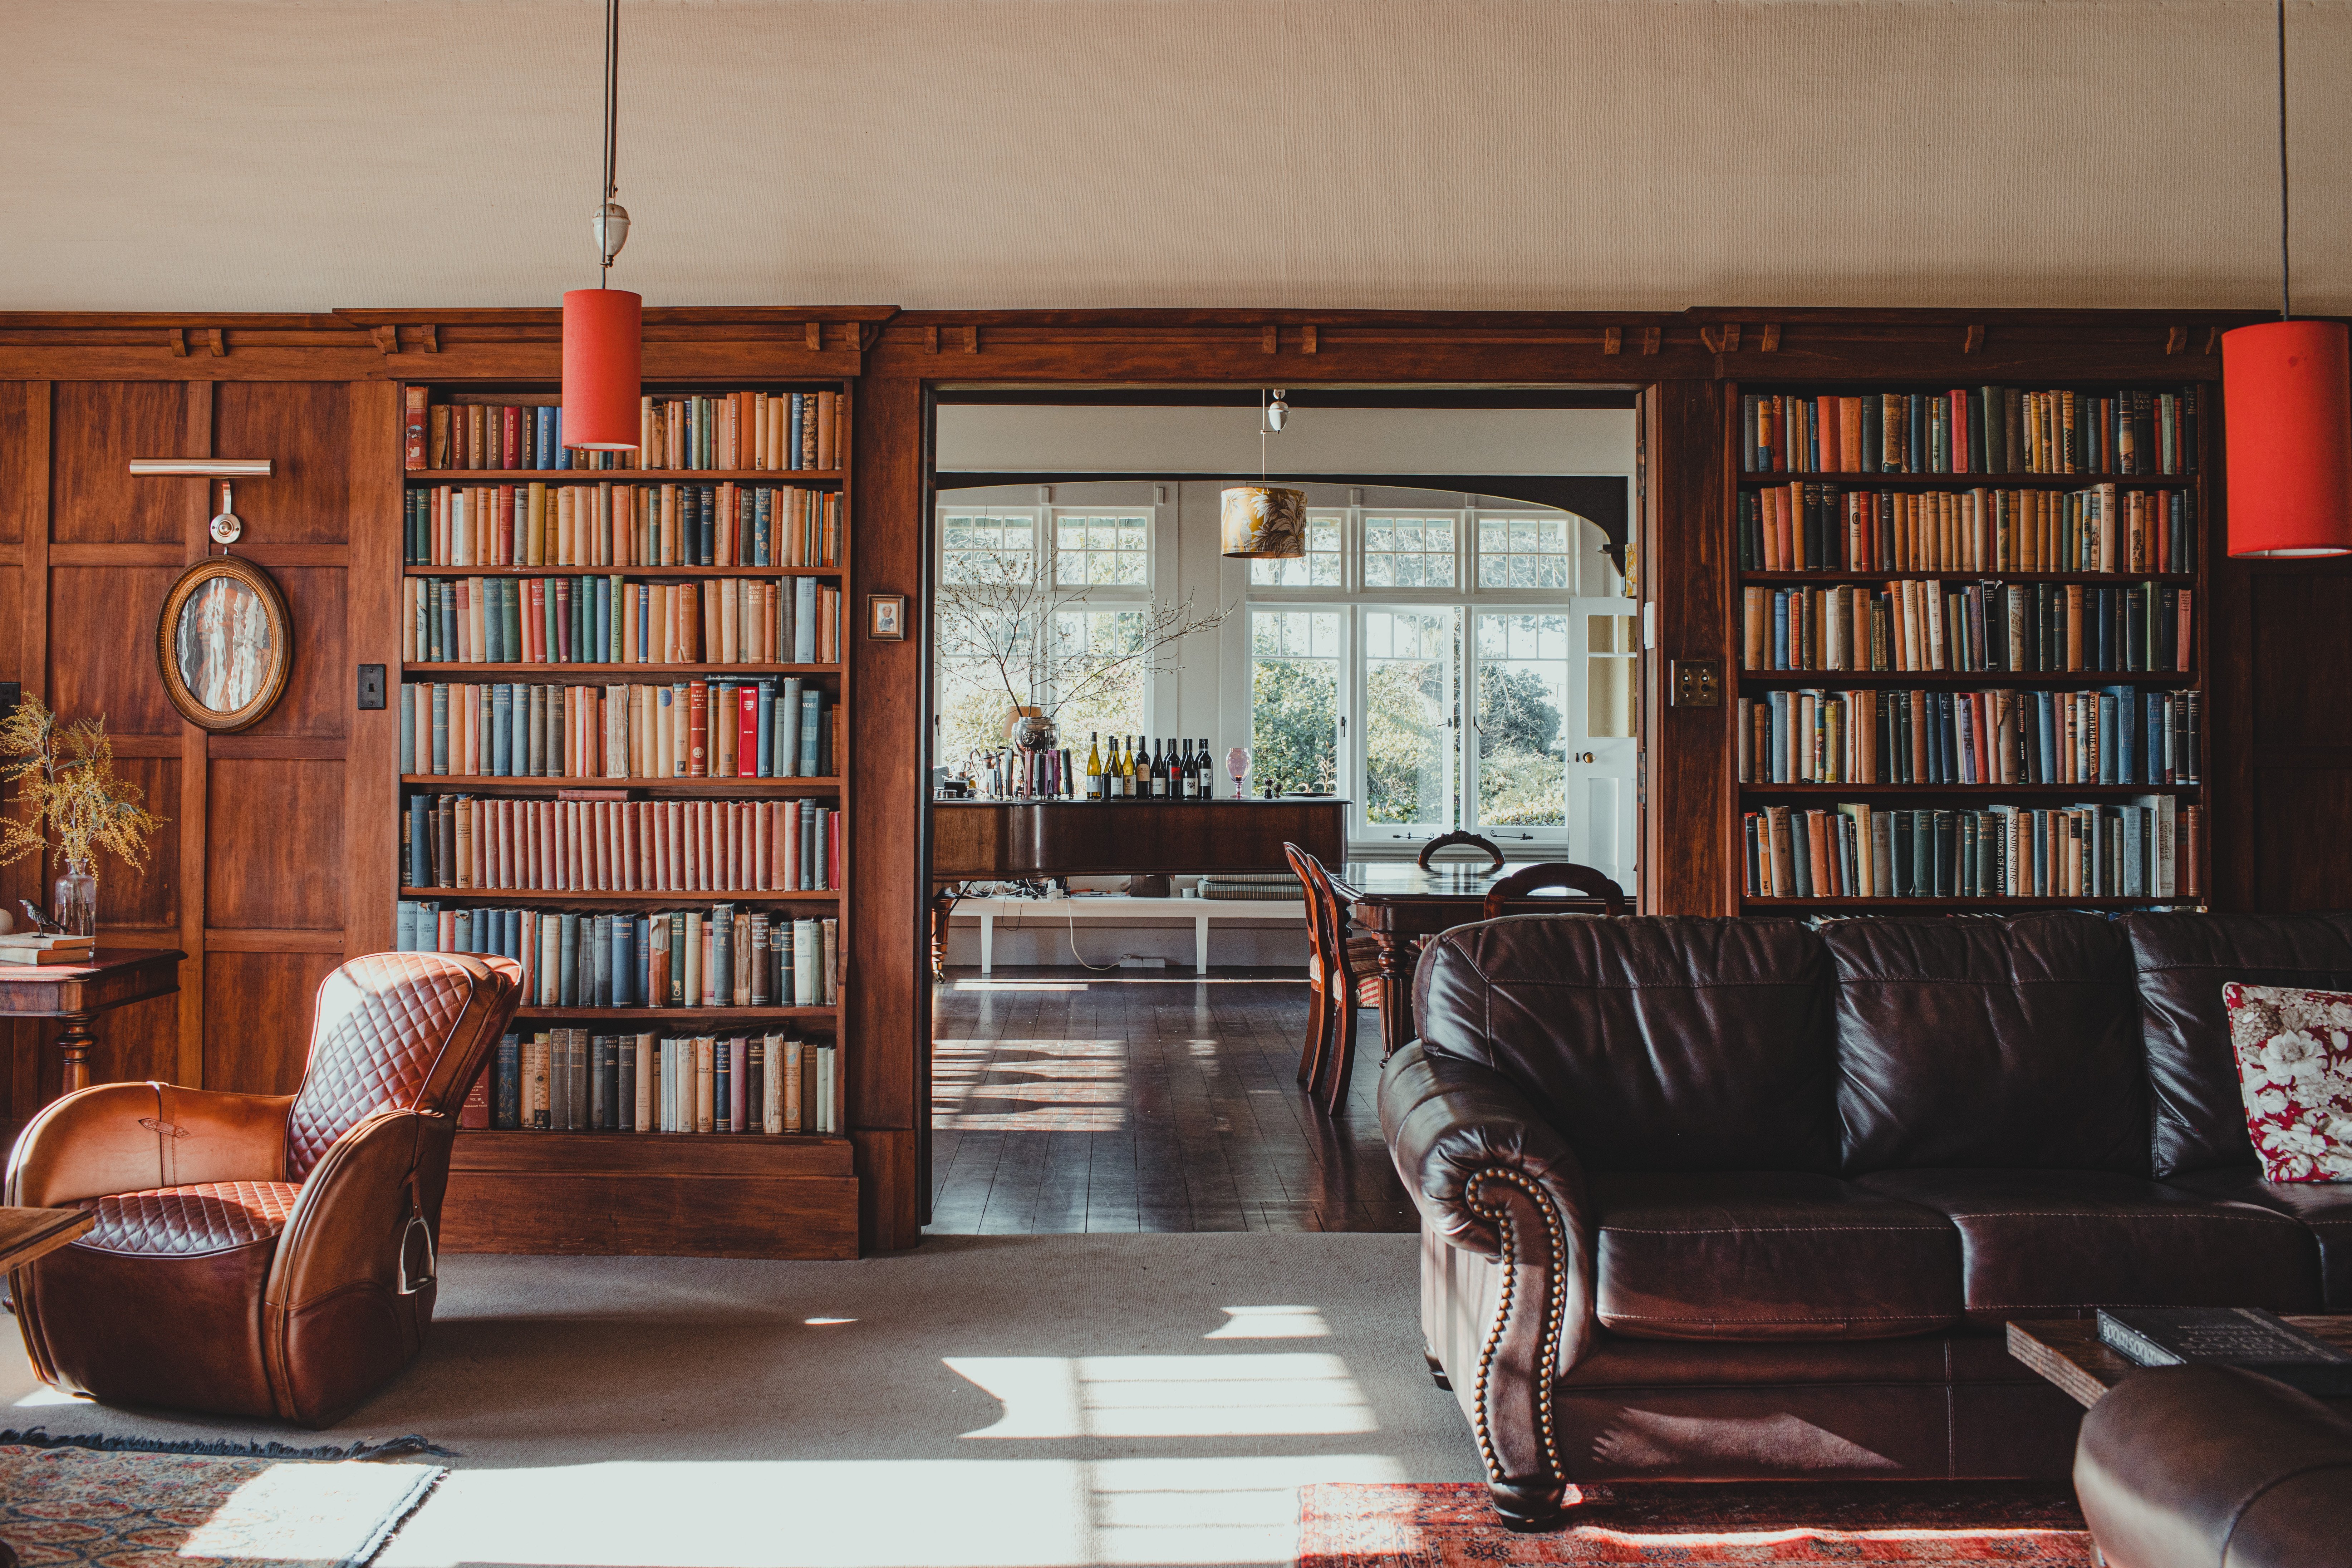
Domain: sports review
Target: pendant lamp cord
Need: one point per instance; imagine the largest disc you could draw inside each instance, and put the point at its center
(2285, 310)
(612, 129)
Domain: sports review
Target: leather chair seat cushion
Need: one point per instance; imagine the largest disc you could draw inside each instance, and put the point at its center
(2323, 1207)
(2063, 1243)
(1768, 1255)
(184, 1222)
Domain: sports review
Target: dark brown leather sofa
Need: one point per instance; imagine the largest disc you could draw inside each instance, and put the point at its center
(2212, 1467)
(1739, 1199)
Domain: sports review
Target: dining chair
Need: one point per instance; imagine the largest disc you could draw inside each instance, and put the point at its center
(1547, 876)
(1342, 975)
(1468, 841)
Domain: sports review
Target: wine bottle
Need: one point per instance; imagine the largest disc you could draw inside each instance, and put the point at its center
(1127, 772)
(1158, 780)
(1208, 771)
(1094, 765)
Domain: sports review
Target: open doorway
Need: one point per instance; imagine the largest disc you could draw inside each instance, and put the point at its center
(1455, 650)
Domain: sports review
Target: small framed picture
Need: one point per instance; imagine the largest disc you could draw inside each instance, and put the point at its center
(224, 643)
(886, 616)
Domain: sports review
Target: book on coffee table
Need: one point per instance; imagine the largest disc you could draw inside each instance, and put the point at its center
(2228, 1336)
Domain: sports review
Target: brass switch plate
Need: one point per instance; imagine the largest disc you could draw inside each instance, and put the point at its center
(1696, 683)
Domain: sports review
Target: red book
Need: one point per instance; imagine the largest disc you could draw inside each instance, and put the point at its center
(698, 730)
(534, 625)
(475, 1111)
(413, 401)
(504, 547)
(747, 732)
(510, 436)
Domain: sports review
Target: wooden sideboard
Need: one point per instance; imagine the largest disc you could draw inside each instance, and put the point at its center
(983, 839)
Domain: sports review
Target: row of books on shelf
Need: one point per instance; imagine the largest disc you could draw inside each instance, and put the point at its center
(571, 1080)
(613, 844)
(783, 431)
(1972, 430)
(730, 957)
(2146, 850)
(767, 727)
(1920, 624)
(2122, 735)
(1801, 527)
(609, 620)
(642, 525)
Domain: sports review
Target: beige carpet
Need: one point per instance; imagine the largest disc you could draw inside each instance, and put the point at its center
(1017, 1400)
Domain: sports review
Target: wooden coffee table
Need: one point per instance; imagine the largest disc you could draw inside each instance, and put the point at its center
(2068, 1352)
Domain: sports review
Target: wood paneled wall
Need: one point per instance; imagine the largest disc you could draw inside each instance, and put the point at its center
(274, 857)
(278, 855)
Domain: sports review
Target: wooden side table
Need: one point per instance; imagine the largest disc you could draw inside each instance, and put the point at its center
(77, 992)
(2069, 1354)
(26, 1235)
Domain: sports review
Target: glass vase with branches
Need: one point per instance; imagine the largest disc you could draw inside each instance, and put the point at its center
(65, 782)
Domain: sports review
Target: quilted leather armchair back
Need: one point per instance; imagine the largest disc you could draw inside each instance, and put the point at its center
(395, 1030)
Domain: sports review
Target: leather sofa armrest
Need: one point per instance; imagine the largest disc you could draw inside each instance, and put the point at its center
(2194, 1466)
(1492, 1178)
(129, 1137)
(350, 1258)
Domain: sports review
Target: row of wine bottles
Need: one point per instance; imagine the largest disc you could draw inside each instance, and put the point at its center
(1130, 774)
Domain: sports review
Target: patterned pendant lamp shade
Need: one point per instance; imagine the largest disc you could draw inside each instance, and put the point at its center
(604, 356)
(1265, 524)
(2287, 400)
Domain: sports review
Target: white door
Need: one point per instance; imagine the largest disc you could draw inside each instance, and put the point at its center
(1602, 747)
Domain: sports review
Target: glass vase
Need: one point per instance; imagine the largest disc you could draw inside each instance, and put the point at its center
(75, 907)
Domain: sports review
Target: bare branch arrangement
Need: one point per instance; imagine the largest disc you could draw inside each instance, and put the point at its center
(1000, 612)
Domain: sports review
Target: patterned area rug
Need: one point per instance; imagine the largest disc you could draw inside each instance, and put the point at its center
(126, 1509)
(1451, 1526)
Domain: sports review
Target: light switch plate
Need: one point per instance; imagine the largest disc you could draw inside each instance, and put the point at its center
(371, 686)
(1696, 683)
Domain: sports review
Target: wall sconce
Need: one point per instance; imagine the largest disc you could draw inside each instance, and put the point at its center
(225, 526)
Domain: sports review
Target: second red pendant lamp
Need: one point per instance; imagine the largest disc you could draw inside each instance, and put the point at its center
(2286, 403)
(603, 328)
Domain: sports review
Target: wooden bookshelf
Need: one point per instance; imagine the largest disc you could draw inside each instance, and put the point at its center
(725, 1194)
(1748, 796)
(622, 476)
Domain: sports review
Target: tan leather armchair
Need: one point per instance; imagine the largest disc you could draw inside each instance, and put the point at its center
(263, 1255)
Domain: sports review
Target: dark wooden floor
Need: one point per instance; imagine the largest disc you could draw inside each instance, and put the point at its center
(1065, 1101)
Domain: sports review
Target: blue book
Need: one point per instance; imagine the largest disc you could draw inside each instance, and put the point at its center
(1779, 630)
(767, 727)
(562, 452)
(449, 596)
(641, 936)
(763, 526)
(600, 640)
(811, 714)
(793, 437)
(2047, 704)
(624, 961)
(2127, 733)
(547, 447)
(461, 926)
(804, 620)
(404, 927)
(788, 729)
(501, 735)
(567, 981)
(407, 727)
(440, 748)
(645, 626)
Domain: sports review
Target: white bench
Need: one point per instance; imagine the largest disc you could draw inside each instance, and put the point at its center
(1118, 906)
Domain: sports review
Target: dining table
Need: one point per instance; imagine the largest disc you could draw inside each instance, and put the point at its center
(1397, 902)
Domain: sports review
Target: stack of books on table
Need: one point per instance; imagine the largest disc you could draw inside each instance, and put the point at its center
(33, 947)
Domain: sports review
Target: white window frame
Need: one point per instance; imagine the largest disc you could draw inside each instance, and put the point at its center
(1046, 516)
(1354, 597)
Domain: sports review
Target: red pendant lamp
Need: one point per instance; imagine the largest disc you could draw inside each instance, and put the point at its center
(603, 328)
(2286, 398)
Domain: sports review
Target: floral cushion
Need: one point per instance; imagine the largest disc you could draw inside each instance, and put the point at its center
(2294, 1050)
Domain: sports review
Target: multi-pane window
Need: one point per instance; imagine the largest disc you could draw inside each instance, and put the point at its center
(1323, 566)
(1410, 706)
(1295, 705)
(977, 546)
(1521, 716)
(1525, 552)
(1102, 550)
(1033, 607)
(1108, 700)
(1609, 656)
(1408, 552)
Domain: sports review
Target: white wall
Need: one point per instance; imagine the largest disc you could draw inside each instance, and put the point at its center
(287, 154)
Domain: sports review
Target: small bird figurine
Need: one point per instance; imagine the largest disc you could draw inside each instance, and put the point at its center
(41, 922)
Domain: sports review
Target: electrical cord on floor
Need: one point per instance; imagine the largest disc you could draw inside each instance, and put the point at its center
(1097, 968)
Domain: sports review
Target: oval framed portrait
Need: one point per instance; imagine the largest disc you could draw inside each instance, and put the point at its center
(224, 644)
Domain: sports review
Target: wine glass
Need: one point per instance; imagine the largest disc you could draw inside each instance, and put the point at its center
(1237, 762)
